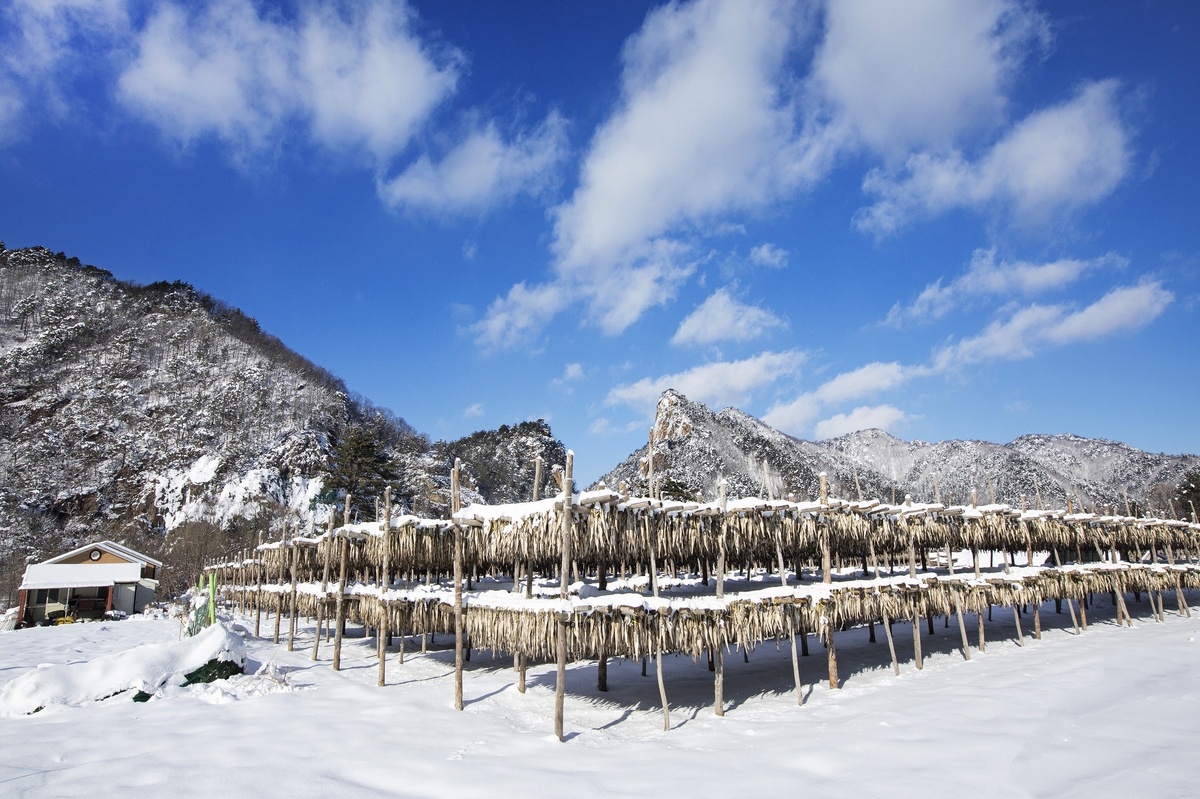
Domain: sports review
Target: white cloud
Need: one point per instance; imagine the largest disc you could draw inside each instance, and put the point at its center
(866, 380)
(572, 373)
(768, 255)
(718, 384)
(1025, 331)
(357, 76)
(1125, 308)
(704, 127)
(41, 52)
(482, 171)
(601, 427)
(520, 315)
(883, 417)
(473, 410)
(714, 121)
(985, 277)
(1052, 163)
(618, 297)
(1122, 309)
(921, 73)
(796, 416)
(722, 318)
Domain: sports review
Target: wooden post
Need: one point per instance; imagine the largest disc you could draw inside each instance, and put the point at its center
(568, 501)
(381, 631)
(1070, 602)
(258, 575)
(1017, 619)
(916, 626)
(537, 487)
(324, 590)
(982, 640)
(458, 577)
(292, 610)
(650, 465)
(719, 653)
(1037, 621)
(662, 689)
(340, 600)
(791, 619)
(652, 536)
(826, 576)
(962, 628)
(834, 682)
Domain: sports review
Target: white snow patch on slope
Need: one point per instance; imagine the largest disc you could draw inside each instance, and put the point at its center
(203, 470)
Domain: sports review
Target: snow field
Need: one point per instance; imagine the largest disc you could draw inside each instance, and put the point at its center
(1110, 713)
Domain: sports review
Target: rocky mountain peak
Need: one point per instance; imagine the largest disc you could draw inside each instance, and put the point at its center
(695, 446)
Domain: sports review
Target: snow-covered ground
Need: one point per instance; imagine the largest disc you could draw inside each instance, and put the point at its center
(1110, 713)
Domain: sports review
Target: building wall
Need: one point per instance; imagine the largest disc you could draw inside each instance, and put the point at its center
(105, 557)
(124, 597)
(143, 596)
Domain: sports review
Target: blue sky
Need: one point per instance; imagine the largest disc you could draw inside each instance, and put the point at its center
(946, 218)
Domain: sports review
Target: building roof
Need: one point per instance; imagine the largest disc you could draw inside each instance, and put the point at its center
(79, 575)
(113, 548)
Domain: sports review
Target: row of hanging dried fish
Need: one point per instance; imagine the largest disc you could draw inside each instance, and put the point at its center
(612, 530)
(634, 630)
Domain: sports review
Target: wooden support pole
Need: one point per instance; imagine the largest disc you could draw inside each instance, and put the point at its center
(292, 609)
(650, 466)
(831, 653)
(381, 632)
(537, 487)
(278, 595)
(791, 619)
(982, 637)
(1070, 602)
(662, 689)
(719, 652)
(455, 501)
(887, 629)
(826, 575)
(258, 575)
(568, 502)
(962, 628)
(916, 627)
(718, 656)
(324, 584)
(1037, 621)
(340, 600)
(1017, 619)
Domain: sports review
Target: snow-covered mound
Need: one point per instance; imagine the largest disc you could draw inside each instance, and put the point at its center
(143, 668)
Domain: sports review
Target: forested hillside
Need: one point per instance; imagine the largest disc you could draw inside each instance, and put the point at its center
(161, 417)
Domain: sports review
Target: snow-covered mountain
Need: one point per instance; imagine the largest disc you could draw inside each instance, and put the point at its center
(160, 417)
(694, 446)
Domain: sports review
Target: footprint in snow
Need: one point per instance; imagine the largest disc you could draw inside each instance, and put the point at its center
(459, 754)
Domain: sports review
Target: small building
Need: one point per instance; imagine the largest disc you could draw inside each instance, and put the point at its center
(86, 583)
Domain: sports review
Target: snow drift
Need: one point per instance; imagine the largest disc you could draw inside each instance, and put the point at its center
(143, 668)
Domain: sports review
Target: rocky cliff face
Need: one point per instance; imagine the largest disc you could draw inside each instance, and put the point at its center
(694, 446)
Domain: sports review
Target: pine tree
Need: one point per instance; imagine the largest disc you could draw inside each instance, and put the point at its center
(360, 467)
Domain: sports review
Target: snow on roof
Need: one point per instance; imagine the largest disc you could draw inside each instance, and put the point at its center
(79, 575)
(113, 548)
